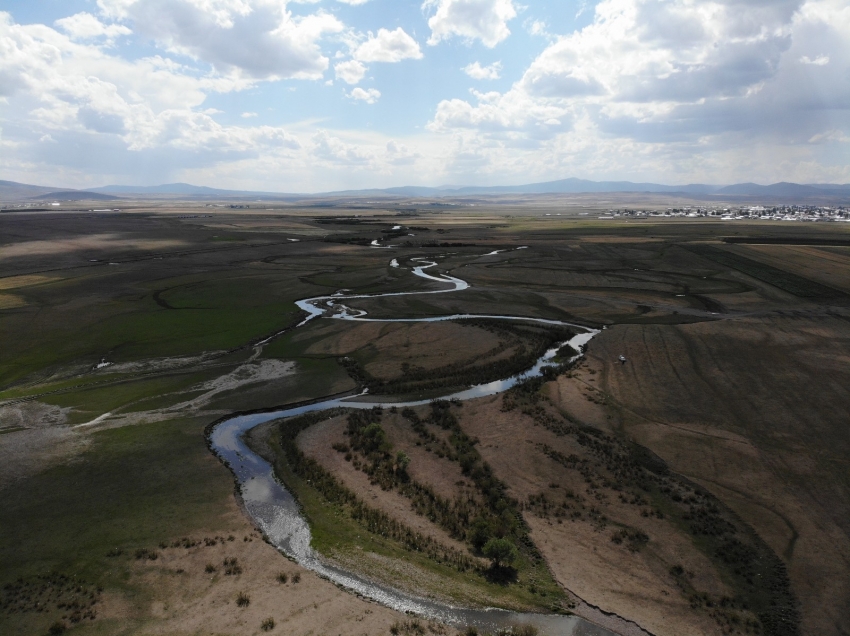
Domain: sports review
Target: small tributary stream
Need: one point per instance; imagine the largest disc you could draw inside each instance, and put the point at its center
(278, 515)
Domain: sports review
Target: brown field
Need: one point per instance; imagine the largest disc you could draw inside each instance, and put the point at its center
(756, 411)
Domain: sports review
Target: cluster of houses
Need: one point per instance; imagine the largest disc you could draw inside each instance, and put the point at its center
(771, 213)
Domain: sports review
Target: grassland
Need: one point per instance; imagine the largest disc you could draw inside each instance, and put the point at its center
(735, 379)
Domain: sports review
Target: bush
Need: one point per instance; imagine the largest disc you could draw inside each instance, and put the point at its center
(243, 600)
(283, 577)
(57, 628)
(267, 625)
(500, 552)
(210, 568)
(232, 567)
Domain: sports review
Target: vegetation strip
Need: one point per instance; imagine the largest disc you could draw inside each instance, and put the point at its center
(763, 601)
(786, 281)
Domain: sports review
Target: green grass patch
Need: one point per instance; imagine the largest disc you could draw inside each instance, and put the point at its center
(134, 487)
(89, 403)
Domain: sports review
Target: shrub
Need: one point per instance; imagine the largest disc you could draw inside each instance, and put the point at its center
(57, 628)
(243, 600)
(210, 568)
(267, 625)
(232, 567)
(283, 577)
(500, 552)
(296, 578)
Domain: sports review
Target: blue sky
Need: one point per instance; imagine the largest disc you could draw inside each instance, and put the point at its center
(330, 94)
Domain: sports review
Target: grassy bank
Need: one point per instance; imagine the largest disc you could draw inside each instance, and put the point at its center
(338, 535)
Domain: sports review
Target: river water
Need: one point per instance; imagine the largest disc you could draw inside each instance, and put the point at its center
(277, 514)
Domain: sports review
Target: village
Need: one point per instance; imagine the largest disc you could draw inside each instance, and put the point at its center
(756, 212)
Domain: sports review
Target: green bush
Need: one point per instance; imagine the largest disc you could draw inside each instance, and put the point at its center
(500, 552)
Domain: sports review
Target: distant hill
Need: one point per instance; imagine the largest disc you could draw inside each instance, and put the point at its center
(579, 186)
(576, 186)
(76, 195)
(12, 191)
(170, 188)
(785, 189)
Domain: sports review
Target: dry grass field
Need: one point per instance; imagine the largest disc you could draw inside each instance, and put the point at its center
(701, 487)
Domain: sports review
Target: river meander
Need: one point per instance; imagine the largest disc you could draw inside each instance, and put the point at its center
(277, 514)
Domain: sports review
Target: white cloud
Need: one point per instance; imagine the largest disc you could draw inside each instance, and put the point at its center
(350, 72)
(255, 39)
(354, 3)
(538, 28)
(399, 154)
(388, 46)
(85, 26)
(370, 95)
(828, 136)
(476, 71)
(484, 20)
(680, 90)
(675, 88)
(248, 115)
(68, 88)
(335, 150)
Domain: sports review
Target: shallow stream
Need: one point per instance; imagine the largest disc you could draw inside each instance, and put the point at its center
(278, 515)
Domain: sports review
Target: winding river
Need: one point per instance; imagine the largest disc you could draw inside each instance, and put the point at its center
(277, 514)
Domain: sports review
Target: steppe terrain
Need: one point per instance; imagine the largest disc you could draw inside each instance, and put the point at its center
(700, 486)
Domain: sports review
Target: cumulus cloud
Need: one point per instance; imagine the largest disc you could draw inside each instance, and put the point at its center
(538, 28)
(256, 39)
(476, 71)
(646, 82)
(68, 87)
(484, 20)
(370, 95)
(820, 60)
(85, 26)
(335, 150)
(717, 90)
(388, 46)
(350, 72)
(399, 154)
(663, 68)
(498, 113)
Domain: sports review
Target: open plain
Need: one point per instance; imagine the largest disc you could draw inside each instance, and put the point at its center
(687, 475)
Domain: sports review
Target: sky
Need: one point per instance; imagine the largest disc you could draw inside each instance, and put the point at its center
(323, 95)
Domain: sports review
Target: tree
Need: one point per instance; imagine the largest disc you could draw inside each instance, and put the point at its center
(500, 552)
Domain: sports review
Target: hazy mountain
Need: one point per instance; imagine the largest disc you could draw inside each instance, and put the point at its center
(575, 186)
(75, 195)
(785, 189)
(170, 188)
(13, 191)
(10, 190)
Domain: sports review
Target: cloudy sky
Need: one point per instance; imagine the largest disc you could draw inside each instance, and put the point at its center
(317, 95)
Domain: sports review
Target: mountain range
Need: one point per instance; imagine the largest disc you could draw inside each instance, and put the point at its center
(12, 191)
